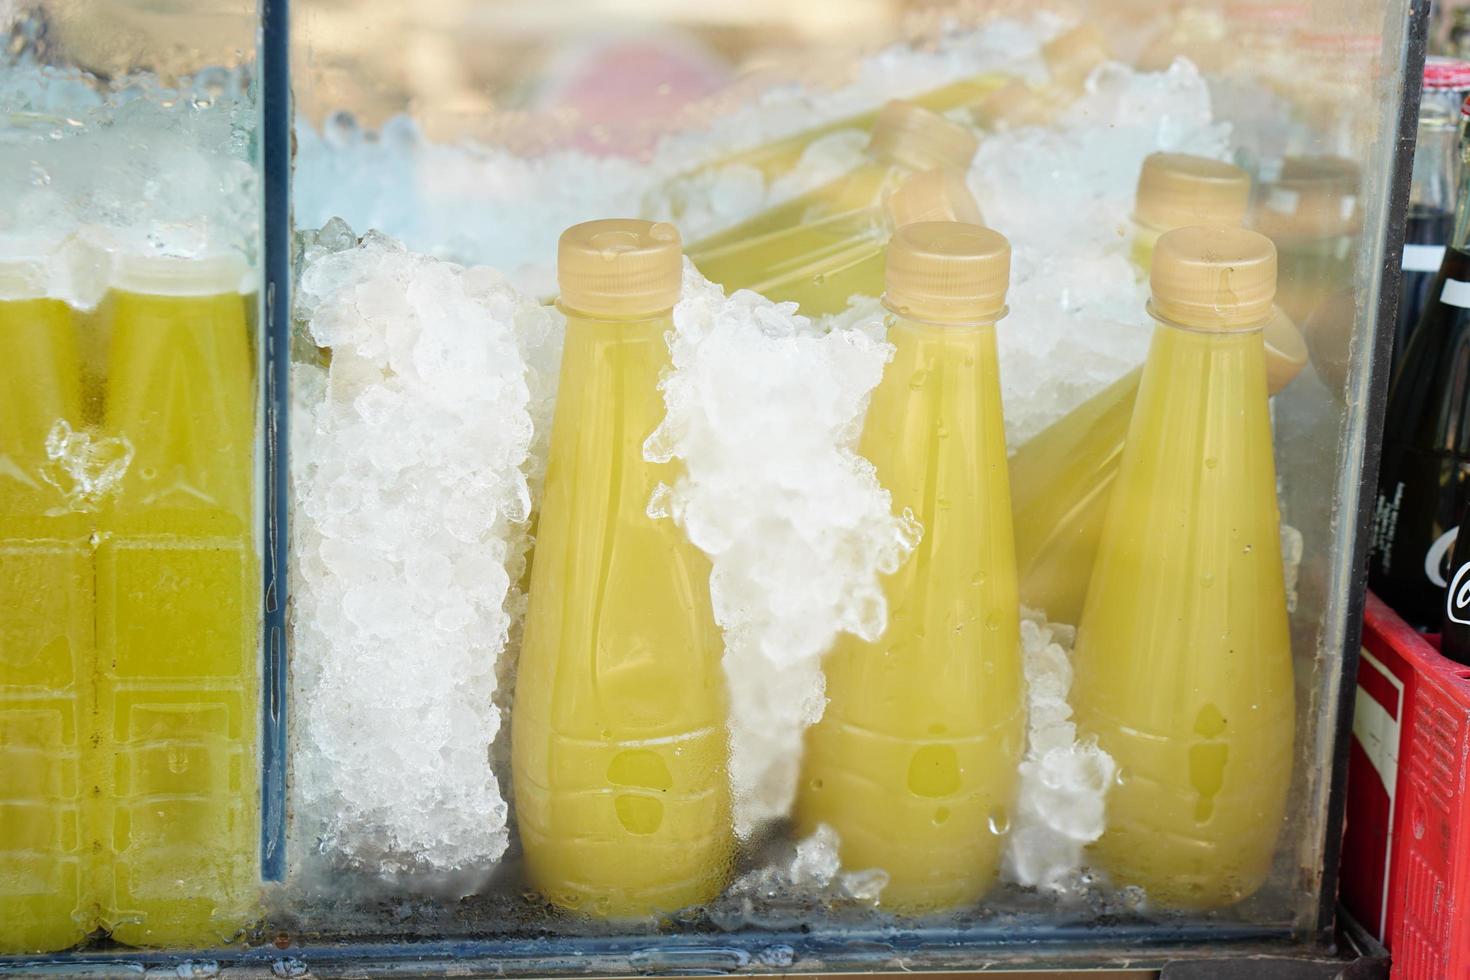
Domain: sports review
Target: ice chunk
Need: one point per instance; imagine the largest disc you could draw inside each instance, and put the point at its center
(85, 467)
(793, 879)
(412, 471)
(764, 408)
(1060, 807)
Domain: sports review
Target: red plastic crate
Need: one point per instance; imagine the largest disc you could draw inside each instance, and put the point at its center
(1406, 854)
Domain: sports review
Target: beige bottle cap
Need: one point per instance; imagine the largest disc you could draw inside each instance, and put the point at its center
(1176, 189)
(913, 137)
(947, 272)
(1314, 198)
(934, 195)
(1213, 277)
(620, 267)
(1013, 104)
(1072, 55)
(1286, 350)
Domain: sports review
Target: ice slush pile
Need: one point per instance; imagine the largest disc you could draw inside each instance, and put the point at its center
(90, 170)
(1064, 782)
(412, 491)
(764, 412)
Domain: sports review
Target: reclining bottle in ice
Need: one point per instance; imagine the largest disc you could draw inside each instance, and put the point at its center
(1183, 657)
(914, 760)
(619, 743)
(1069, 58)
(826, 245)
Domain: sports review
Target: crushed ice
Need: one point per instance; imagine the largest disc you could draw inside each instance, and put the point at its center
(92, 168)
(1061, 804)
(793, 879)
(411, 495)
(764, 410)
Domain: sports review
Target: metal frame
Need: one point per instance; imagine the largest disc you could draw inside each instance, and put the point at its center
(1389, 279)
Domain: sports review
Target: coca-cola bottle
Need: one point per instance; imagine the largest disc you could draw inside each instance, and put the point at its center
(1426, 440)
(1455, 642)
(1432, 191)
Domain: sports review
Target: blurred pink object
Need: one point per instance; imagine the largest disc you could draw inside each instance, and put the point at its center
(628, 92)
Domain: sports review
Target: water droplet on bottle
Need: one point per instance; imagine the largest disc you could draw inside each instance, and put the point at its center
(39, 176)
(1211, 462)
(999, 822)
(1246, 550)
(1207, 579)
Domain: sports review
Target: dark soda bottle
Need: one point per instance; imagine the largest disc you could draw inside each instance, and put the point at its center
(1455, 641)
(1432, 192)
(1426, 441)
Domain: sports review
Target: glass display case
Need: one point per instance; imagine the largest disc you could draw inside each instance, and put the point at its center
(623, 487)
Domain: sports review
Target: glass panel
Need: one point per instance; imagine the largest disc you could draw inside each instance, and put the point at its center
(566, 546)
(130, 675)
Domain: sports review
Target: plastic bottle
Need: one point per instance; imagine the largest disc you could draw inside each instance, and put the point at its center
(827, 245)
(1070, 57)
(1061, 477)
(45, 628)
(1312, 214)
(176, 830)
(619, 741)
(1176, 190)
(914, 762)
(1183, 658)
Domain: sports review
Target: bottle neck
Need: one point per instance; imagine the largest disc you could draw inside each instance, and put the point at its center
(1435, 169)
(1460, 239)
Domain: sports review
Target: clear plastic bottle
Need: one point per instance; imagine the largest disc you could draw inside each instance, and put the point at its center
(914, 760)
(827, 245)
(1176, 190)
(619, 739)
(1061, 477)
(176, 831)
(45, 628)
(1070, 57)
(1183, 656)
